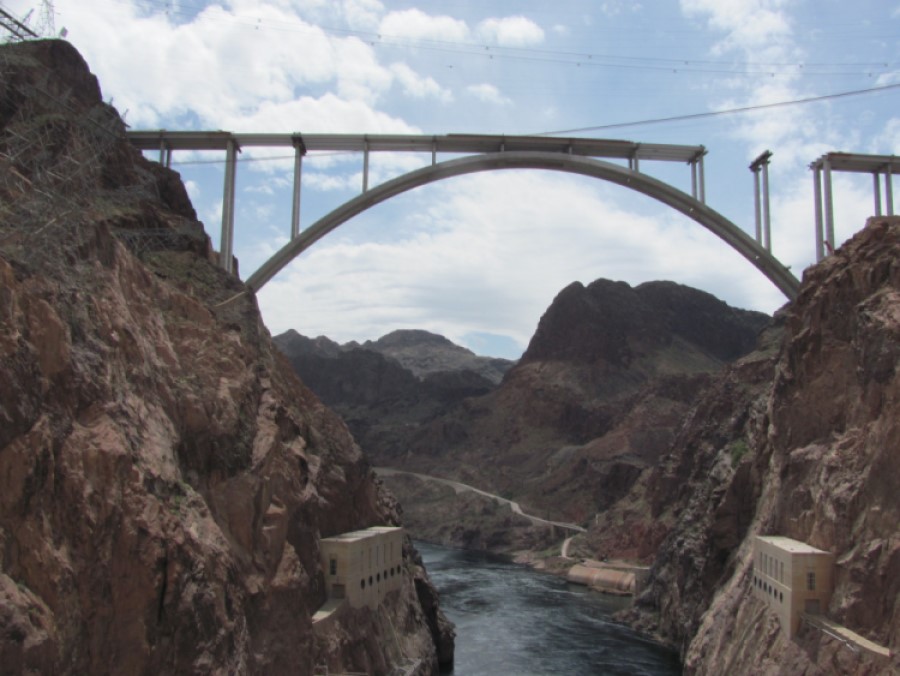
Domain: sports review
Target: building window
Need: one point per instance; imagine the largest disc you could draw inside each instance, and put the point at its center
(332, 567)
(362, 583)
(811, 582)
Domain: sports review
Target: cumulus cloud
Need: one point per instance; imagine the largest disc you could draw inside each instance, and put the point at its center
(325, 114)
(616, 7)
(513, 31)
(414, 24)
(419, 87)
(488, 93)
(228, 64)
(748, 24)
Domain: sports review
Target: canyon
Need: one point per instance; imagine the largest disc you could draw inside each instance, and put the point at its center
(675, 444)
(166, 479)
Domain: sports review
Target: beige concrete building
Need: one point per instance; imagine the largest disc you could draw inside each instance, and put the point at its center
(364, 565)
(792, 577)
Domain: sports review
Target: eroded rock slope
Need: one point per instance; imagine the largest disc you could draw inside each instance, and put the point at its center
(165, 479)
(812, 455)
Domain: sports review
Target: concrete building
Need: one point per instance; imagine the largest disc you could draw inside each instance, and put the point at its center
(792, 577)
(364, 565)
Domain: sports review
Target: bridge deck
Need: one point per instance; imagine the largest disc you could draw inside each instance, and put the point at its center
(447, 143)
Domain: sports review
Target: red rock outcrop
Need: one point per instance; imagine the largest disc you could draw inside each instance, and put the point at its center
(821, 447)
(165, 479)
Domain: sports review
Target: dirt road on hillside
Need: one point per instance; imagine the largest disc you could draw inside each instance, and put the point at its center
(459, 487)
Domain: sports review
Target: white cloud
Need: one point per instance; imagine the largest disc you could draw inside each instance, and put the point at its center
(193, 190)
(414, 24)
(325, 114)
(488, 93)
(362, 14)
(227, 64)
(419, 87)
(512, 31)
(749, 24)
(888, 141)
(616, 7)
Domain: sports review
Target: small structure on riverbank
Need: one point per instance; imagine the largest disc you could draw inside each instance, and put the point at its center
(792, 577)
(611, 577)
(362, 566)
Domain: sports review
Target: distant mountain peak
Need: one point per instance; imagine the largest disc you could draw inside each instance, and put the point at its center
(406, 338)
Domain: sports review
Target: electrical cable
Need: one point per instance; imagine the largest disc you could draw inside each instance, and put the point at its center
(578, 59)
(714, 113)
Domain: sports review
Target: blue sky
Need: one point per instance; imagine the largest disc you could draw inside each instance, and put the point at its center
(479, 258)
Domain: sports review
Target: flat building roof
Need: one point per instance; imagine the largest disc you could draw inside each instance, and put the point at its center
(790, 545)
(355, 535)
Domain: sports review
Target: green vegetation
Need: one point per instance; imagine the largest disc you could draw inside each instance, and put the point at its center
(738, 449)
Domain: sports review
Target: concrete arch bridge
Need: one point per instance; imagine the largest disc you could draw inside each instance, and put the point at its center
(586, 157)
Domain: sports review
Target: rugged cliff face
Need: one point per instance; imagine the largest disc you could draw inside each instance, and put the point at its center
(812, 456)
(597, 398)
(164, 479)
(385, 388)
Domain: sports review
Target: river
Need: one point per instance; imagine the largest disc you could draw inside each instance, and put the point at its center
(513, 621)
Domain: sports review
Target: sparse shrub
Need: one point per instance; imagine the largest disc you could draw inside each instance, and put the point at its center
(738, 449)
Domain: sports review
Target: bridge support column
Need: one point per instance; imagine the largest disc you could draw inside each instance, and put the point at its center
(226, 245)
(817, 198)
(365, 178)
(165, 155)
(767, 214)
(694, 179)
(889, 190)
(761, 199)
(698, 180)
(876, 189)
(829, 208)
(757, 204)
(702, 181)
(299, 152)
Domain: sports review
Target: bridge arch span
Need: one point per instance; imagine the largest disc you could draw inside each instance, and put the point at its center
(713, 221)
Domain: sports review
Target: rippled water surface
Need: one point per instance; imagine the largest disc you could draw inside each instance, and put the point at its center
(513, 621)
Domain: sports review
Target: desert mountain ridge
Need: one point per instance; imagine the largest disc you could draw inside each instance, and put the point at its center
(420, 352)
(606, 361)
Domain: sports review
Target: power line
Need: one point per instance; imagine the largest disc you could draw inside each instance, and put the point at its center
(579, 59)
(730, 111)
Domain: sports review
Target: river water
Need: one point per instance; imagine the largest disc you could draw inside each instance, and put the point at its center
(513, 621)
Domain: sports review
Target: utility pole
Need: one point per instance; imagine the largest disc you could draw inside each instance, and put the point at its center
(17, 30)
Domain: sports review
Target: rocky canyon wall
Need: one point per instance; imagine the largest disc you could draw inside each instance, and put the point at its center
(165, 479)
(813, 456)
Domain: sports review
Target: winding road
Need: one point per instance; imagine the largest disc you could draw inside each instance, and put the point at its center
(459, 487)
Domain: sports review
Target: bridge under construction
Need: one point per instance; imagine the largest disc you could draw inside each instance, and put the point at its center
(615, 161)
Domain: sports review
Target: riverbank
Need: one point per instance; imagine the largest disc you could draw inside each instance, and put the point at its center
(458, 515)
(512, 620)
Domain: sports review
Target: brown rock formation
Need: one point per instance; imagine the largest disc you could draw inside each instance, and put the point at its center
(164, 478)
(819, 461)
(607, 381)
(595, 400)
